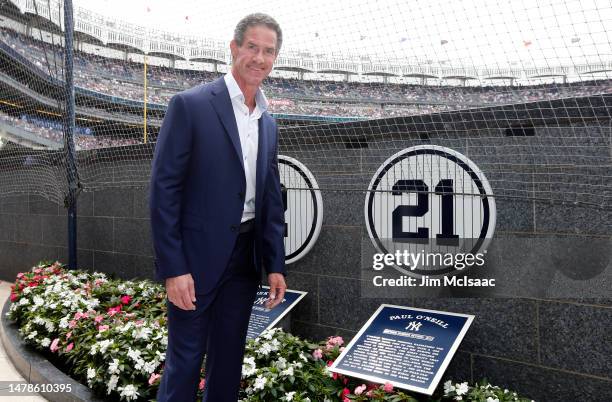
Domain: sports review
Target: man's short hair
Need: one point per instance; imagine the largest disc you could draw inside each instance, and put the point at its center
(255, 19)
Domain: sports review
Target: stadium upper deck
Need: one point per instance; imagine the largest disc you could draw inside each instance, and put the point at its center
(101, 30)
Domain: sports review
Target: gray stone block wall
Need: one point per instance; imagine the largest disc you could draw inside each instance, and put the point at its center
(551, 344)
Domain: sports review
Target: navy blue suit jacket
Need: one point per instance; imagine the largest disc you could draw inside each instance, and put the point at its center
(198, 186)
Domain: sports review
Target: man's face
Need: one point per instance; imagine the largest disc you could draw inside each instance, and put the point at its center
(252, 62)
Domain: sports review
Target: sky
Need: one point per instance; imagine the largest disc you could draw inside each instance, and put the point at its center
(452, 33)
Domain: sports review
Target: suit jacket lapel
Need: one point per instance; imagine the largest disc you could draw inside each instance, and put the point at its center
(223, 106)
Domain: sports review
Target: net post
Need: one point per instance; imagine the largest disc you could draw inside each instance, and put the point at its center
(69, 123)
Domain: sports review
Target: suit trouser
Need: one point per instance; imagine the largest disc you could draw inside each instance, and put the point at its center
(217, 328)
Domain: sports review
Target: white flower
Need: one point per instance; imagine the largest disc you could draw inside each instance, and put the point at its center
(462, 388)
(458, 398)
(130, 391)
(38, 301)
(448, 387)
(134, 355)
(113, 367)
(260, 382)
(248, 367)
(91, 373)
(32, 335)
(23, 301)
(103, 345)
(50, 326)
(142, 333)
(288, 372)
(126, 327)
(45, 342)
(489, 399)
(265, 349)
(149, 367)
(112, 384)
(289, 396)
(64, 322)
(281, 363)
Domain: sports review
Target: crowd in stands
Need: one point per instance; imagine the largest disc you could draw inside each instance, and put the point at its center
(124, 79)
(53, 131)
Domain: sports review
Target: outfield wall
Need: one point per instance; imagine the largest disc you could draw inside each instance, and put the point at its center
(548, 349)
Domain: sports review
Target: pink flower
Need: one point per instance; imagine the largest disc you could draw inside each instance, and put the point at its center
(126, 299)
(388, 387)
(20, 275)
(98, 319)
(202, 383)
(359, 390)
(78, 315)
(70, 346)
(153, 378)
(68, 335)
(114, 310)
(102, 328)
(334, 341)
(345, 392)
(14, 297)
(54, 344)
(72, 324)
(317, 354)
(369, 394)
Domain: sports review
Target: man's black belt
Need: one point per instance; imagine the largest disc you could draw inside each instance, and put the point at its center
(247, 226)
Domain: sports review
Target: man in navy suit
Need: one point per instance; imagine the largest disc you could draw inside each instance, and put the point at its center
(217, 216)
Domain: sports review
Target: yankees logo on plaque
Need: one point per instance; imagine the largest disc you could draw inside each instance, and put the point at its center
(429, 211)
(303, 207)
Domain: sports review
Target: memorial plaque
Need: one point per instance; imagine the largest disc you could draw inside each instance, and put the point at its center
(263, 318)
(408, 347)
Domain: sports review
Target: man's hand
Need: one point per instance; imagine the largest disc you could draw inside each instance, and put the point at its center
(181, 291)
(277, 290)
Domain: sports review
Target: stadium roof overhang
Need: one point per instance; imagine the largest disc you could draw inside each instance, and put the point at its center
(501, 77)
(208, 60)
(295, 69)
(170, 56)
(597, 70)
(8, 9)
(381, 74)
(124, 47)
(84, 37)
(43, 23)
(548, 75)
(458, 77)
(420, 75)
(336, 71)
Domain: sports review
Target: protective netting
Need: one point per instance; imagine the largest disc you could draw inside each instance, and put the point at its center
(522, 88)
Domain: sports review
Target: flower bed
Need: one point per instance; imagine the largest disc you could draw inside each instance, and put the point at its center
(112, 336)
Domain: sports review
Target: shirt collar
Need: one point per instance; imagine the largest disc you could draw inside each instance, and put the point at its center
(234, 90)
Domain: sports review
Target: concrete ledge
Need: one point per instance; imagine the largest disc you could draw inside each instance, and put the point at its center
(35, 368)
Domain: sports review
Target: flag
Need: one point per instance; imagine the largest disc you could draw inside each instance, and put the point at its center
(443, 42)
(526, 43)
(575, 39)
(403, 39)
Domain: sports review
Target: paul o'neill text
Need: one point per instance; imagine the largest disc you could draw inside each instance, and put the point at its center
(428, 281)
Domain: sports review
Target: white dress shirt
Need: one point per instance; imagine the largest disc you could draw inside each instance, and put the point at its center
(248, 129)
